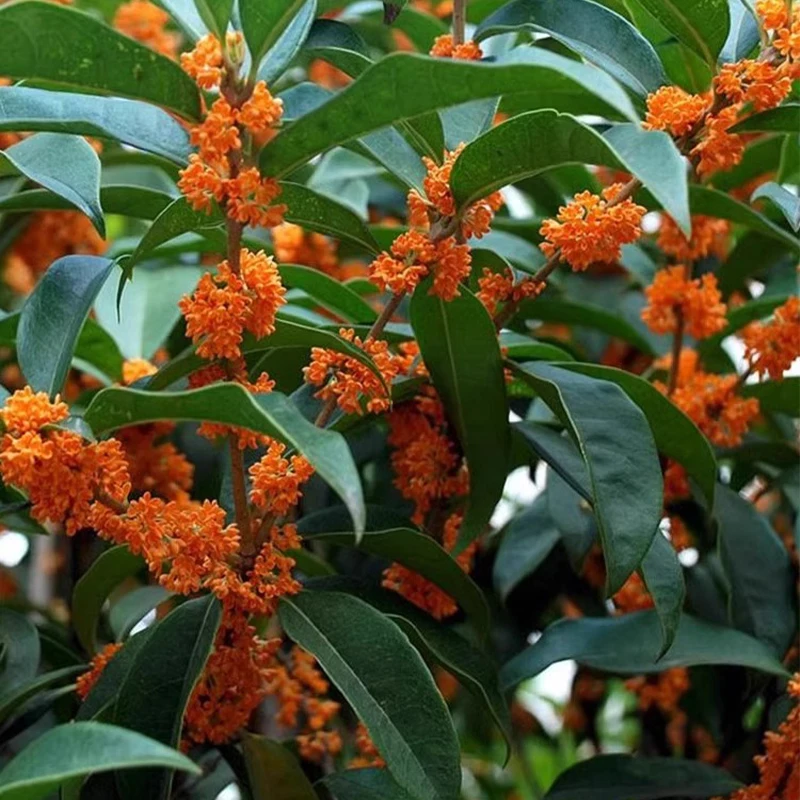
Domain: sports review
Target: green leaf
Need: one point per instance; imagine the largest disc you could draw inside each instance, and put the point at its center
(328, 292)
(274, 773)
(783, 119)
(129, 201)
(216, 15)
(423, 555)
(11, 701)
(388, 93)
(560, 453)
(53, 316)
(676, 436)
(701, 25)
(48, 42)
(94, 587)
(288, 45)
(758, 570)
(458, 343)
(663, 576)
(600, 35)
(364, 784)
(782, 396)
(526, 543)
(65, 164)
(609, 777)
(787, 203)
(531, 143)
(263, 23)
(626, 478)
(19, 652)
(153, 697)
(322, 214)
(416, 739)
(630, 645)
(229, 404)
(585, 315)
(129, 610)
(524, 348)
(128, 121)
(81, 748)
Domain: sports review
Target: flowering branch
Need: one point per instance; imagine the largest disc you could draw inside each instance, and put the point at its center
(459, 21)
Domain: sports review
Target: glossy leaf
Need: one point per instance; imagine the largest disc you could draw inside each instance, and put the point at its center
(531, 143)
(786, 202)
(663, 576)
(609, 777)
(263, 23)
(80, 748)
(274, 773)
(630, 645)
(458, 343)
(600, 35)
(364, 784)
(153, 697)
(416, 739)
(129, 201)
(287, 46)
(330, 293)
(229, 404)
(65, 164)
(128, 121)
(783, 119)
(53, 316)
(422, 554)
(626, 482)
(387, 93)
(49, 42)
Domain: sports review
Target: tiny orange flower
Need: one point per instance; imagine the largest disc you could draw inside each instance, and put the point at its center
(674, 110)
(261, 111)
(709, 237)
(443, 47)
(146, 22)
(772, 347)
(85, 683)
(204, 63)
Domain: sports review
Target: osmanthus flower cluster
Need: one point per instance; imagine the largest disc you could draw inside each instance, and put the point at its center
(147, 23)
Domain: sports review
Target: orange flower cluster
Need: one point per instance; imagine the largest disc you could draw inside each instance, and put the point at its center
(772, 347)
(276, 481)
(633, 596)
(757, 82)
(709, 237)
(146, 22)
(345, 378)
(674, 296)
(292, 245)
(718, 150)
(675, 111)
(499, 287)
(368, 755)
(662, 691)
(592, 229)
(205, 62)
(443, 47)
(779, 766)
(225, 305)
(85, 683)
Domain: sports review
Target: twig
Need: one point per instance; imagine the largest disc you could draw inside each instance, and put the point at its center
(459, 21)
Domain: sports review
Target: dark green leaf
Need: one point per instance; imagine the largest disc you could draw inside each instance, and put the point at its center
(600, 35)
(783, 119)
(458, 343)
(129, 610)
(137, 124)
(129, 201)
(65, 164)
(663, 576)
(94, 587)
(153, 697)
(330, 293)
(364, 784)
(560, 453)
(11, 701)
(416, 739)
(48, 42)
(19, 652)
(388, 93)
(281, 55)
(524, 348)
(270, 414)
(274, 773)
(630, 644)
(762, 597)
(610, 777)
(782, 396)
(53, 316)
(80, 748)
(787, 202)
(263, 23)
(626, 478)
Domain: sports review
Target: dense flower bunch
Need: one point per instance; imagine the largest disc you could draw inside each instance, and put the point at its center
(709, 237)
(772, 347)
(445, 47)
(147, 23)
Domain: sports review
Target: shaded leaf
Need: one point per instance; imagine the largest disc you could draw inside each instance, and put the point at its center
(215, 14)
(129, 610)
(19, 652)
(663, 576)
(782, 396)
(274, 773)
(783, 119)
(364, 784)
(786, 202)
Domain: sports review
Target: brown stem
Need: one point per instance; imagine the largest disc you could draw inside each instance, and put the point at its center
(459, 21)
(107, 500)
(241, 510)
(677, 346)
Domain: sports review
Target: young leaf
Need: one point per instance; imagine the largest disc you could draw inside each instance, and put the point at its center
(630, 644)
(227, 403)
(94, 587)
(663, 576)
(609, 777)
(416, 739)
(599, 34)
(263, 23)
(53, 316)
(49, 42)
(128, 121)
(274, 773)
(626, 479)
(65, 164)
(80, 748)
(531, 143)
(153, 697)
(458, 343)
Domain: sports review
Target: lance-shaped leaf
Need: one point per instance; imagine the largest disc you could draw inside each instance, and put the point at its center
(458, 343)
(786, 202)
(49, 42)
(330, 293)
(153, 697)
(129, 201)
(630, 644)
(11, 701)
(364, 784)
(599, 34)
(388, 93)
(531, 143)
(65, 164)
(621, 459)
(263, 23)
(416, 739)
(783, 119)
(19, 644)
(81, 748)
(128, 121)
(273, 771)
(53, 316)
(663, 576)
(132, 607)
(229, 404)
(290, 41)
